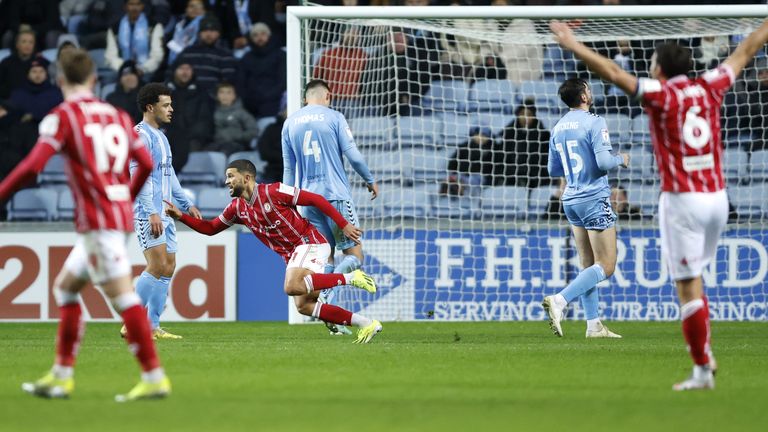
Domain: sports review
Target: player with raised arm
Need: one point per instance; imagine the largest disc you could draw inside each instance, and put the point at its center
(315, 140)
(154, 229)
(97, 141)
(580, 151)
(269, 211)
(685, 131)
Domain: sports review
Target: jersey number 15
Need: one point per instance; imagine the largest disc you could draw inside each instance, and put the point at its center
(573, 162)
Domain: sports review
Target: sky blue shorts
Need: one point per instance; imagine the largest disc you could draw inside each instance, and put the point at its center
(327, 226)
(146, 241)
(595, 215)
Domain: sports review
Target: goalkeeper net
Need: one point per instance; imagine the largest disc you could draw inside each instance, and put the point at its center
(453, 117)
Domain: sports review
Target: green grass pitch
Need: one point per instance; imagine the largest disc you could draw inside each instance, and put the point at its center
(414, 377)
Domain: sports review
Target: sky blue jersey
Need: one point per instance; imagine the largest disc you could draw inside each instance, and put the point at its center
(580, 151)
(314, 139)
(162, 184)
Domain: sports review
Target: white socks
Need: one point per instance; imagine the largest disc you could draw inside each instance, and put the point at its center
(360, 321)
(63, 372)
(594, 324)
(154, 376)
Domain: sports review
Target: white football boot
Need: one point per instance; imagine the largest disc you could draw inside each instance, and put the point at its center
(701, 378)
(602, 332)
(555, 314)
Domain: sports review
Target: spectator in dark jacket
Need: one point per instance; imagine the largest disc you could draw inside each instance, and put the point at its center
(239, 16)
(42, 16)
(127, 90)
(102, 15)
(191, 128)
(235, 127)
(14, 68)
(522, 158)
(621, 206)
(390, 81)
(212, 63)
(471, 165)
(270, 147)
(261, 74)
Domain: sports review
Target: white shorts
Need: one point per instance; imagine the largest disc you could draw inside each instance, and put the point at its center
(312, 257)
(99, 256)
(691, 224)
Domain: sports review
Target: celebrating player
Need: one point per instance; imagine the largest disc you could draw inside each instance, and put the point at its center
(269, 211)
(97, 140)
(685, 132)
(314, 139)
(155, 230)
(580, 150)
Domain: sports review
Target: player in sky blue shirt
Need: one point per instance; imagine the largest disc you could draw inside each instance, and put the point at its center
(155, 230)
(580, 151)
(315, 141)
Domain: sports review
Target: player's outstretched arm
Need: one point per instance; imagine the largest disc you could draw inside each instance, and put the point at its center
(311, 199)
(747, 49)
(27, 170)
(602, 66)
(207, 227)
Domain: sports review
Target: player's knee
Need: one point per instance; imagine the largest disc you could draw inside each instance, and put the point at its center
(608, 268)
(294, 288)
(305, 308)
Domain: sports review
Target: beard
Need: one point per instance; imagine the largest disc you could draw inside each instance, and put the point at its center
(237, 191)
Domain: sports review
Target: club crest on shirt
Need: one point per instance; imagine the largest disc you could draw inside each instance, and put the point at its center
(606, 135)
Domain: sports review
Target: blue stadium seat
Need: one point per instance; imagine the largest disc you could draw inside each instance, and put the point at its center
(5, 52)
(204, 168)
(107, 89)
(598, 91)
(558, 64)
(446, 96)
(758, 165)
(645, 196)
(388, 166)
(640, 165)
(211, 201)
(33, 204)
(454, 207)
(549, 119)
(496, 121)
(544, 94)
(406, 202)
(492, 95)
(619, 127)
(504, 201)
(735, 162)
(427, 165)
(65, 205)
(641, 132)
(54, 171)
(455, 129)
(372, 131)
(252, 156)
(50, 54)
(750, 201)
(365, 207)
(738, 140)
(539, 199)
(98, 57)
(418, 131)
(262, 123)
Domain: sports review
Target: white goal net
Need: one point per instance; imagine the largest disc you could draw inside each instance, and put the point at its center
(453, 116)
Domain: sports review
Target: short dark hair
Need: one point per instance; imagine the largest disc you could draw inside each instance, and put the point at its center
(315, 83)
(243, 166)
(77, 66)
(570, 91)
(674, 59)
(225, 84)
(150, 95)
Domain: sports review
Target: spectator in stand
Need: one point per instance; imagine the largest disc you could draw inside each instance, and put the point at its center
(127, 90)
(33, 100)
(757, 96)
(462, 55)
(102, 15)
(238, 16)
(67, 42)
(616, 101)
(261, 73)
(471, 165)
(41, 15)
(135, 38)
(390, 85)
(341, 67)
(191, 128)
(211, 62)
(185, 31)
(234, 126)
(710, 51)
(14, 68)
(523, 62)
(73, 12)
(621, 205)
(554, 209)
(522, 159)
(270, 147)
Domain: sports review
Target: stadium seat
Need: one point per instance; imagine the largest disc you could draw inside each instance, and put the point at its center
(544, 94)
(645, 196)
(418, 131)
(98, 57)
(5, 52)
(492, 95)
(619, 127)
(65, 205)
(598, 91)
(640, 165)
(252, 156)
(427, 166)
(741, 140)
(33, 204)
(107, 89)
(50, 54)
(504, 202)
(496, 121)
(372, 132)
(211, 201)
(758, 165)
(204, 168)
(446, 96)
(455, 129)
(641, 132)
(263, 122)
(454, 207)
(558, 64)
(539, 199)
(406, 202)
(549, 119)
(750, 201)
(54, 171)
(735, 162)
(388, 166)
(365, 207)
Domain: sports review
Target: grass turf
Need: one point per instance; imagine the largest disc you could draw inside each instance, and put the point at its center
(413, 377)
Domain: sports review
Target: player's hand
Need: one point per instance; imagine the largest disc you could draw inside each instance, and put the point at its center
(195, 213)
(173, 211)
(353, 232)
(155, 225)
(563, 34)
(373, 188)
(625, 157)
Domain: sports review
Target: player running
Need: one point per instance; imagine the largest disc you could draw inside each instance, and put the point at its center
(154, 229)
(269, 211)
(685, 132)
(315, 140)
(97, 141)
(580, 151)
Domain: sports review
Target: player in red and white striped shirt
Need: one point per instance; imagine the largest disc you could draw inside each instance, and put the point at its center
(269, 211)
(685, 132)
(97, 141)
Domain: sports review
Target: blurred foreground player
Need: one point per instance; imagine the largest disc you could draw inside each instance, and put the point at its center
(269, 211)
(685, 132)
(97, 141)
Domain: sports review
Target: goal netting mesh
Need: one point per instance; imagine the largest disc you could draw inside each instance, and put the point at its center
(453, 118)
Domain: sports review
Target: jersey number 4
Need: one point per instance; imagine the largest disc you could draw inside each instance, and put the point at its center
(573, 161)
(108, 141)
(310, 146)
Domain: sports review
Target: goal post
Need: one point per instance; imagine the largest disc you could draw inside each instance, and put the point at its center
(451, 107)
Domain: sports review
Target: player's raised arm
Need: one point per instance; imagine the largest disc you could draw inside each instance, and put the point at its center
(208, 227)
(311, 199)
(747, 49)
(601, 65)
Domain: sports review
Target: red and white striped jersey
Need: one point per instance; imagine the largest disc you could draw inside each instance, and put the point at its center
(685, 129)
(273, 218)
(97, 141)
